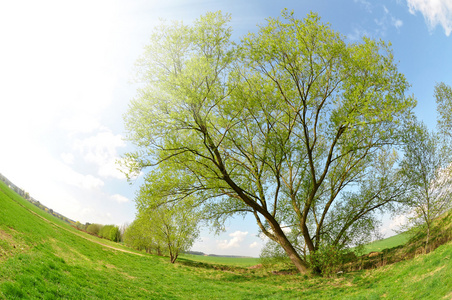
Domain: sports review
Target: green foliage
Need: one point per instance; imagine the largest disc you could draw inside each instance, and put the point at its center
(327, 260)
(282, 125)
(114, 234)
(109, 232)
(427, 169)
(443, 95)
(162, 225)
(94, 229)
(139, 235)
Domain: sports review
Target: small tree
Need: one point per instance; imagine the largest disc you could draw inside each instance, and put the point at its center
(428, 170)
(174, 226)
(94, 228)
(139, 235)
(110, 232)
(443, 95)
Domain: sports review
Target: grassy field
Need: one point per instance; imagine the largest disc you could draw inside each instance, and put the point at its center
(43, 258)
(219, 260)
(389, 242)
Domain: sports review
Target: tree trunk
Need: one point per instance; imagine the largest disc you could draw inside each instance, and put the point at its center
(173, 258)
(290, 250)
(282, 239)
(295, 258)
(428, 237)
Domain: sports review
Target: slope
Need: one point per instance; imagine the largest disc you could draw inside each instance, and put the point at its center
(43, 258)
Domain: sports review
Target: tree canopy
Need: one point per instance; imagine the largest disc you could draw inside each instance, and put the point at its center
(443, 95)
(291, 124)
(163, 226)
(427, 169)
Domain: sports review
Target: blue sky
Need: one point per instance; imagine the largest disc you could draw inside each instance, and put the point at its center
(66, 78)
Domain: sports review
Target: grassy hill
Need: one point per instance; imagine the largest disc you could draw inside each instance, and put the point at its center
(386, 243)
(43, 258)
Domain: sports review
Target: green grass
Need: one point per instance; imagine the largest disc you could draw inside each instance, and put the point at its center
(228, 261)
(387, 243)
(43, 258)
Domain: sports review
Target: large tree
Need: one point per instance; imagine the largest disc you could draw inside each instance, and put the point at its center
(292, 125)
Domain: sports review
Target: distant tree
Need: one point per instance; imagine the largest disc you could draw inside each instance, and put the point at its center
(104, 231)
(114, 234)
(122, 230)
(172, 224)
(428, 170)
(285, 126)
(79, 225)
(94, 229)
(139, 235)
(109, 232)
(443, 95)
(85, 226)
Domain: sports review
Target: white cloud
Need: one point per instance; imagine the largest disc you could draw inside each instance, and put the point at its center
(384, 22)
(237, 238)
(68, 158)
(357, 34)
(435, 12)
(67, 175)
(387, 20)
(397, 23)
(101, 150)
(367, 5)
(254, 245)
(86, 182)
(80, 123)
(119, 198)
(393, 226)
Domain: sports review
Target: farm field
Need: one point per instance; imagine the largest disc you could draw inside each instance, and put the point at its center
(43, 258)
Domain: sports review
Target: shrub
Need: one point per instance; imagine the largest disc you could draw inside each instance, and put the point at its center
(94, 229)
(327, 260)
